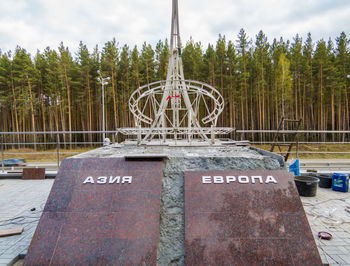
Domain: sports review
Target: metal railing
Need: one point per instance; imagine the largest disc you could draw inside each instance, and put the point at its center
(262, 136)
(57, 139)
(53, 135)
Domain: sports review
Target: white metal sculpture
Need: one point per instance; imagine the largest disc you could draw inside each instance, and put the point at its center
(175, 108)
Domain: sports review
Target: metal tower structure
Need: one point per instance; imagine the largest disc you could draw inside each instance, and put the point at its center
(175, 108)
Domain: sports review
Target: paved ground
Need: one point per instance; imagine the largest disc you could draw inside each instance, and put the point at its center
(329, 211)
(17, 198)
(326, 212)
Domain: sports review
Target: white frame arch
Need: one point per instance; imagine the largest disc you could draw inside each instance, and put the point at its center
(176, 107)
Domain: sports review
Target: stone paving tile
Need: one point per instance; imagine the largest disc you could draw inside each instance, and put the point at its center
(345, 258)
(17, 198)
(326, 212)
(5, 261)
(331, 250)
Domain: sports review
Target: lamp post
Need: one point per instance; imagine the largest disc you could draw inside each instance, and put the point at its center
(103, 82)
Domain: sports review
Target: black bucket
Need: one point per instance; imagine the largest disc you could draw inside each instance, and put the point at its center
(325, 180)
(306, 185)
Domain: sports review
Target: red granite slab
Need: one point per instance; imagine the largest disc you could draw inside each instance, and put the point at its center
(100, 223)
(247, 223)
(33, 173)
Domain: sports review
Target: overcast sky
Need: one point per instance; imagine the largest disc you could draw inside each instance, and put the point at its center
(36, 24)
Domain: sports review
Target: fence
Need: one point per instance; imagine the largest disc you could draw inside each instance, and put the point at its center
(42, 141)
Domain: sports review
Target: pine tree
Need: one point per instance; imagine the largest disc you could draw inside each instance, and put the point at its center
(260, 82)
(284, 81)
(109, 64)
(243, 48)
(124, 85)
(147, 62)
(342, 65)
(296, 68)
(221, 70)
(308, 83)
(65, 67)
(85, 92)
(24, 79)
(261, 58)
(320, 65)
(162, 58)
(53, 90)
(232, 81)
(192, 59)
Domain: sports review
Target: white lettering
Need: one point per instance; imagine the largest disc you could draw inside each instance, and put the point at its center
(127, 179)
(218, 179)
(114, 179)
(89, 179)
(270, 179)
(102, 180)
(243, 179)
(257, 177)
(111, 180)
(206, 179)
(230, 178)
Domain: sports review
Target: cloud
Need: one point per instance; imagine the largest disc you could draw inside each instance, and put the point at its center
(36, 24)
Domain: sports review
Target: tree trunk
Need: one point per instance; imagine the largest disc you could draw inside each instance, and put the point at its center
(69, 104)
(32, 110)
(15, 107)
(332, 114)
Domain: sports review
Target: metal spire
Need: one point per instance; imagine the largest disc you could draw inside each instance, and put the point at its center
(173, 107)
(175, 40)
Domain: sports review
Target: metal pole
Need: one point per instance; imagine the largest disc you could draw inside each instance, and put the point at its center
(103, 112)
(103, 83)
(139, 137)
(212, 135)
(2, 153)
(58, 151)
(297, 147)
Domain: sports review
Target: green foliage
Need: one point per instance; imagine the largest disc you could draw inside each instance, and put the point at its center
(260, 82)
(162, 58)
(284, 81)
(147, 62)
(192, 59)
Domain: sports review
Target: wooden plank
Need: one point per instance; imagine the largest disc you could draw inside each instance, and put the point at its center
(11, 232)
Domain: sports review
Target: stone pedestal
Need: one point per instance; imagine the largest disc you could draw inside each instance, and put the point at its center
(111, 223)
(252, 217)
(100, 212)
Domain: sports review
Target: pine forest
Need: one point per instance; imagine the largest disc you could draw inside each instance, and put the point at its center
(55, 90)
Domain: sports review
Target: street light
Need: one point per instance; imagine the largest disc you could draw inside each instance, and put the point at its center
(103, 82)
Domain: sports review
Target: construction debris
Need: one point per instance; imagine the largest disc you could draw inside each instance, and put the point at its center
(11, 232)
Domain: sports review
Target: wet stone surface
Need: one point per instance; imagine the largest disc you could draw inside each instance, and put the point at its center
(252, 217)
(17, 197)
(171, 249)
(172, 225)
(100, 212)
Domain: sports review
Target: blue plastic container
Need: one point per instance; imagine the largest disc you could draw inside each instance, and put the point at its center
(340, 182)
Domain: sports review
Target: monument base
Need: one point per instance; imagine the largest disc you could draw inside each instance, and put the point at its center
(178, 162)
(101, 211)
